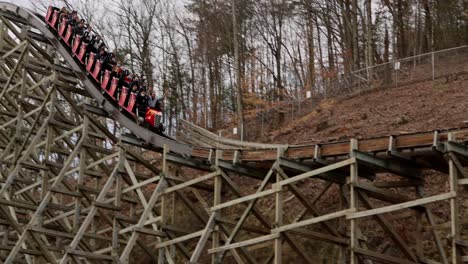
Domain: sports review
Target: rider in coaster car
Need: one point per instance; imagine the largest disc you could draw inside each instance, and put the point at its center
(127, 78)
(102, 53)
(154, 112)
(80, 28)
(109, 61)
(64, 14)
(134, 91)
(135, 82)
(90, 42)
(88, 34)
(73, 19)
(142, 104)
(124, 80)
(98, 43)
(117, 70)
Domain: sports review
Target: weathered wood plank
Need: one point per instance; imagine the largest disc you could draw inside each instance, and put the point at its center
(312, 221)
(409, 204)
(244, 243)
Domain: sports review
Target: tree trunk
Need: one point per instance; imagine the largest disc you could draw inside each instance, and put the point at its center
(355, 35)
(240, 107)
(370, 54)
(310, 50)
(386, 59)
(429, 41)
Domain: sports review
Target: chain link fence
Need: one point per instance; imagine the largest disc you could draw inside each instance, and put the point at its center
(447, 64)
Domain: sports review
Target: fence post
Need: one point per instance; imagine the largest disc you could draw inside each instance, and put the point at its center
(433, 66)
(292, 110)
(263, 112)
(396, 76)
(299, 108)
(259, 116)
(368, 78)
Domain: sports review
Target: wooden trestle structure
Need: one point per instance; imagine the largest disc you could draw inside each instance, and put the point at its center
(73, 191)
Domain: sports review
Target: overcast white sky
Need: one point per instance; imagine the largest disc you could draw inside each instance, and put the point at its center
(26, 3)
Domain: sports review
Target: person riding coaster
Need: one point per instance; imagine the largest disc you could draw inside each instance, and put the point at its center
(131, 88)
(154, 113)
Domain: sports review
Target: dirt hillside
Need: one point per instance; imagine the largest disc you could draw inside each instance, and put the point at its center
(421, 107)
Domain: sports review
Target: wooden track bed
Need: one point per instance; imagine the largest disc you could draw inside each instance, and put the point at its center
(416, 141)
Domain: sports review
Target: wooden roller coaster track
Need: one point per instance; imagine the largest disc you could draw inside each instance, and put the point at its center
(72, 190)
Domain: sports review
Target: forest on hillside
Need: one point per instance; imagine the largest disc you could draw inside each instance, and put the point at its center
(209, 52)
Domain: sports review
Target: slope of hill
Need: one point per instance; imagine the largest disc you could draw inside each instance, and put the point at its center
(420, 107)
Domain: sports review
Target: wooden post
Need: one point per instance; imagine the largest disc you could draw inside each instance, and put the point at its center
(81, 176)
(218, 180)
(454, 226)
(418, 236)
(117, 203)
(278, 219)
(161, 251)
(3, 31)
(353, 203)
(278, 212)
(165, 171)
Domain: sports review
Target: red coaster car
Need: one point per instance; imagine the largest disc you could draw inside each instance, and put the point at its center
(153, 118)
(82, 52)
(97, 69)
(76, 44)
(105, 80)
(55, 18)
(68, 35)
(91, 59)
(62, 27)
(113, 87)
(50, 12)
(131, 103)
(123, 96)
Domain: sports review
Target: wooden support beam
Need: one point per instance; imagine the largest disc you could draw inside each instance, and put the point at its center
(353, 201)
(456, 162)
(455, 147)
(191, 182)
(409, 204)
(243, 199)
(312, 221)
(245, 213)
(244, 243)
(88, 255)
(383, 258)
(204, 238)
(318, 171)
(404, 247)
(451, 146)
(333, 176)
(242, 169)
(124, 257)
(381, 194)
(278, 244)
(397, 167)
(303, 199)
(437, 239)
